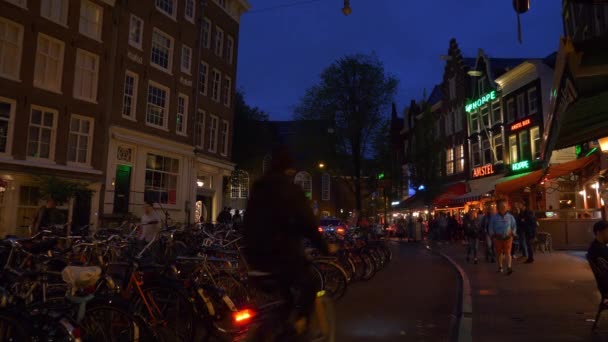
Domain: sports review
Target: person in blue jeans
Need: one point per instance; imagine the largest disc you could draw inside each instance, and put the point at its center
(526, 226)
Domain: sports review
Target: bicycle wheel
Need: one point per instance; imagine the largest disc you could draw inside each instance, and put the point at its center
(334, 277)
(13, 329)
(369, 266)
(107, 320)
(235, 289)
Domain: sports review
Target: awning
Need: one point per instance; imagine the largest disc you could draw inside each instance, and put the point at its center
(450, 192)
(585, 120)
(564, 169)
(412, 202)
(479, 187)
(515, 183)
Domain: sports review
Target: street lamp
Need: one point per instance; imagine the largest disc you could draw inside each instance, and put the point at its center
(321, 165)
(346, 9)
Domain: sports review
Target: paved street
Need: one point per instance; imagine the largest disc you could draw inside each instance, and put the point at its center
(411, 300)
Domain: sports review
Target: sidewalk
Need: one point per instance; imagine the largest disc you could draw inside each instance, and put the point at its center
(554, 299)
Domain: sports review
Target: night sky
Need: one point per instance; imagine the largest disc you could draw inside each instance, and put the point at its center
(283, 51)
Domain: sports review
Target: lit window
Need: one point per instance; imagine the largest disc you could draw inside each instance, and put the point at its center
(449, 161)
(475, 154)
(223, 140)
(158, 102)
(229, 49)
(535, 136)
(91, 16)
(11, 45)
(167, 7)
(85, 75)
(215, 88)
(55, 10)
(513, 149)
(212, 143)
(206, 33)
(219, 41)
(459, 158)
(304, 180)
(532, 100)
(161, 179)
(129, 100)
(498, 146)
(162, 50)
(186, 59)
(239, 185)
(202, 78)
(521, 106)
(325, 187)
(48, 70)
(7, 114)
(136, 32)
(227, 93)
(189, 10)
(182, 114)
(80, 140)
(41, 133)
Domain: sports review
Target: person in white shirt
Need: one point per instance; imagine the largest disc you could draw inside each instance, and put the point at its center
(150, 223)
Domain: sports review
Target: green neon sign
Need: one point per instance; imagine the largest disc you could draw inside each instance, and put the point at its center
(472, 106)
(522, 165)
(381, 176)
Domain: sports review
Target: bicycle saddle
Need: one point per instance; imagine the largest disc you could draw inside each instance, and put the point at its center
(81, 277)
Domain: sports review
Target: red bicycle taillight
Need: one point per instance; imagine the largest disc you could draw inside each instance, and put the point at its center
(76, 333)
(243, 316)
(321, 229)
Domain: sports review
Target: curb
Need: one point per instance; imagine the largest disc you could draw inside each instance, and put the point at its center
(463, 322)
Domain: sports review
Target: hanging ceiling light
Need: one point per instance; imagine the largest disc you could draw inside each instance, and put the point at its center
(346, 9)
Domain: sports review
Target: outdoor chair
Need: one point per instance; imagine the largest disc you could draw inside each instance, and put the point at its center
(600, 272)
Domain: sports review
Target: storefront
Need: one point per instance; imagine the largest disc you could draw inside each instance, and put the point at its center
(212, 178)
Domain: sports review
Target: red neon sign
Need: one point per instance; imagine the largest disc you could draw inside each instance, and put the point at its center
(484, 170)
(521, 124)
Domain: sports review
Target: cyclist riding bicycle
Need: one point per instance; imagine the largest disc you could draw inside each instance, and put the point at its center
(279, 218)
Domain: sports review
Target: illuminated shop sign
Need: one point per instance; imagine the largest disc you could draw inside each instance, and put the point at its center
(521, 166)
(472, 106)
(484, 170)
(521, 124)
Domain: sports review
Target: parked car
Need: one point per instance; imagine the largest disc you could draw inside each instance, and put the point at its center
(332, 225)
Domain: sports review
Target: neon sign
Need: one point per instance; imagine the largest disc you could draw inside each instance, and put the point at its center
(522, 165)
(521, 124)
(472, 106)
(484, 170)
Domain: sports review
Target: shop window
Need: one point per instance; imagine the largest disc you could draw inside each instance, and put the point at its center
(161, 179)
(536, 141)
(524, 145)
(513, 149)
(29, 202)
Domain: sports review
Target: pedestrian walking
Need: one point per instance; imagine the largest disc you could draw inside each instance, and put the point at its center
(526, 230)
(503, 229)
(471, 232)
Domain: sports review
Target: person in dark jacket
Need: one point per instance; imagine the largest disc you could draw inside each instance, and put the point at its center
(279, 219)
(47, 217)
(526, 225)
(471, 232)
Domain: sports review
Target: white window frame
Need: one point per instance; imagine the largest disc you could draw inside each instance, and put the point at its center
(133, 96)
(199, 126)
(533, 103)
(52, 141)
(167, 105)
(218, 41)
(184, 114)
(511, 110)
(213, 132)
(137, 20)
(225, 128)
(488, 115)
(170, 15)
(17, 68)
(475, 121)
(205, 81)
(77, 87)
(90, 137)
(513, 154)
(499, 141)
(169, 173)
(304, 180)
(325, 187)
(190, 18)
(63, 15)
(18, 3)
(241, 189)
(494, 105)
(227, 91)
(186, 68)
(11, 125)
(216, 89)
(97, 35)
(449, 161)
(486, 146)
(229, 49)
(475, 151)
(171, 48)
(43, 84)
(521, 106)
(207, 35)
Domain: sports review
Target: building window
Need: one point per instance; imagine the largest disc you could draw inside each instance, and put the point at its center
(325, 187)
(20, 3)
(189, 10)
(535, 136)
(513, 149)
(182, 114)
(29, 204)
(162, 50)
(496, 112)
(223, 140)
(449, 161)
(475, 122)
(80, 140)
(7, 110)
(212, 142)
(161, 179)
(229, 49)
(202, 78)
(485, 116)
(136, 32)
(459, 158)
(186, 64)
(487, 152)
(510, 110)
(215, 87)
(167, 7)
(458, 120)
(266, 163)
(304, 180)
(206, 33)
(91, 16)
(521, 106)
(200, 129)
(41, 133)
(475, 154)
(498, 146)
(86, 75)
(240, 185)
(524, 145)
(219, 41)
(227, 93)
(11, 46)
(55, 10)
(158, 103)
(48, 70)
(129, 99)
(452, 84)
(532, 101)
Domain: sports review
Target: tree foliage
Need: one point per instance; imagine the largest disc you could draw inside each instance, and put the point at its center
(352, 95)
(61, 190)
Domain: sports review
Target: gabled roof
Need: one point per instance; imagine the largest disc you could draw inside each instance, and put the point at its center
(436, 95)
